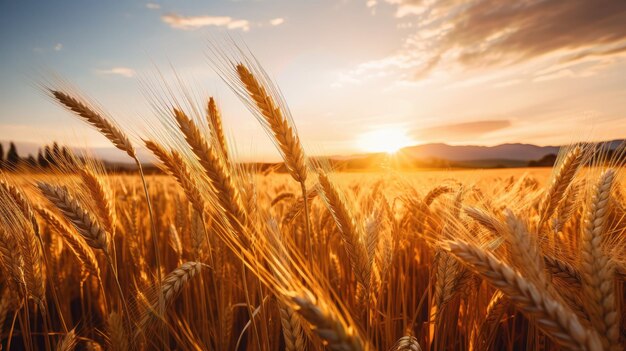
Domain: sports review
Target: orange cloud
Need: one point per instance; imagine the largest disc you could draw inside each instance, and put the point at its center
(461, 131)
(494, 33)
(119, 71)
(195, 22)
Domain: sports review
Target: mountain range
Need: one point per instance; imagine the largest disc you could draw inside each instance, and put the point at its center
(503, 155)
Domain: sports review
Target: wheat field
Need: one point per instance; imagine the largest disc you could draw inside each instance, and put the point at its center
(215, 255)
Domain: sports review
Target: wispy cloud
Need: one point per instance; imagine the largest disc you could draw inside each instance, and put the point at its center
(277, 21)
(58, 47)
(481, 34)
(153, 6)
(119, 71)
(195, 22)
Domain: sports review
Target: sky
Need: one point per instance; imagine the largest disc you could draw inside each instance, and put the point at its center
(357, 74)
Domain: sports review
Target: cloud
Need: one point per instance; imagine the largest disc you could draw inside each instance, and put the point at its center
(486, 34)
(463, 131)
(277, 21)
(119, 71)
(153, 6)
(58, 47)
(195, 22)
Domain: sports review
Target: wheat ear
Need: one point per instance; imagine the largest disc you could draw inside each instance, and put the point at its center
(562, 270)
(217, 172)
(597, 270)
(292, 328)
(106, 127)
(524, 250)
(20, 200)
(566, 207)
(175, 280)
(435, 192)
(121, 141)
(555, 319)
(287, 139)
(495, 310)
(487, 220)
(447, 270)
(214, 117)
(328, 327)
(350, 233)
(118, 339)
(76, 244)
(68, 343)
(86, 225)
(101, 198)
(407, 343)
(12, 261)
(298, 207)
(33, 265)
(177, 166)
(560, 182)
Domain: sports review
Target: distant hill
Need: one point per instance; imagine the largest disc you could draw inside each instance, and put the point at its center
(437, 155)
(518, 152)
(461, 156)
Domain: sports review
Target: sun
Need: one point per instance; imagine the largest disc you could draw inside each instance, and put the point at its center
(386, 139)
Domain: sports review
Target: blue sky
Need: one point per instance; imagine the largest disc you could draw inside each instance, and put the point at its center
(467, 71)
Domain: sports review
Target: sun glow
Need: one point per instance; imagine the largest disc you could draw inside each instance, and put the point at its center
(386, 139)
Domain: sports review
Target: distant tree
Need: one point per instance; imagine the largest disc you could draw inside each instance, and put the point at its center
(13, 159)
(546, 161)
(1, 156)
(67, 156)
(31, 162)
(41, 159)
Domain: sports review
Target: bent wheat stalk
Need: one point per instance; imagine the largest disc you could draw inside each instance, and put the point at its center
(555, 319)
(277, 124)
(597, 270)
(328, 327)
(121, 141)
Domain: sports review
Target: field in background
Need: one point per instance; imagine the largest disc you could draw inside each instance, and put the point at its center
(418, 294)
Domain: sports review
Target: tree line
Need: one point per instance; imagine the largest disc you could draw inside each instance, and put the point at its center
(47, 156)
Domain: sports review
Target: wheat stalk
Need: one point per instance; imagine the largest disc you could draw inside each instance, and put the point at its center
(597, 269)
(556, 320)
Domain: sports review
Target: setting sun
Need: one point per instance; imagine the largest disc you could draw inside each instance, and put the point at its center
(387, 140)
